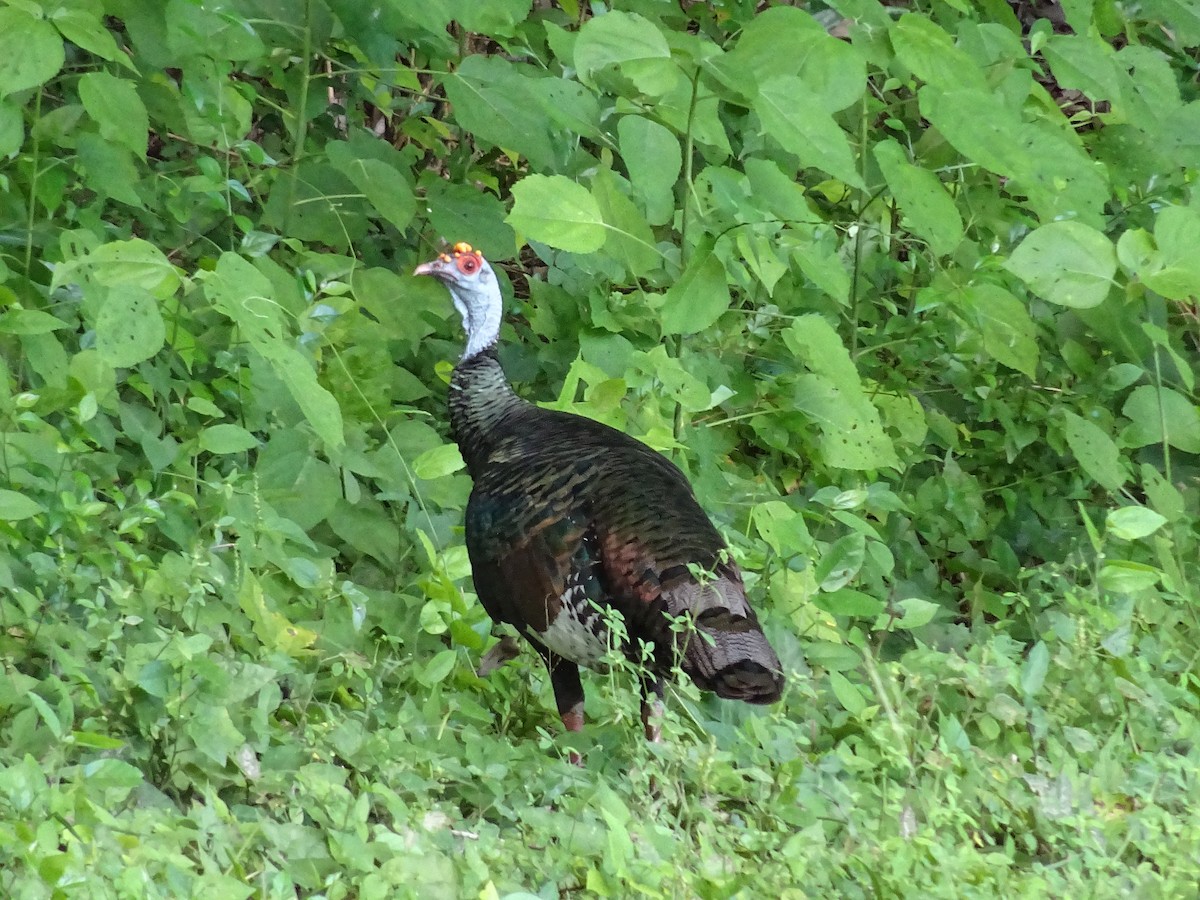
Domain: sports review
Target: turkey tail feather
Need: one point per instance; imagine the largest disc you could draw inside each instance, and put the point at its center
(721, 646)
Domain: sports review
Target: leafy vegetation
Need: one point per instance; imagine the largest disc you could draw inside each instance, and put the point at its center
(912, 294)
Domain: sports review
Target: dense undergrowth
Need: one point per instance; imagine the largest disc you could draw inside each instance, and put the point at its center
(911, 293)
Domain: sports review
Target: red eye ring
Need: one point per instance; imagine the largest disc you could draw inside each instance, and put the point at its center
(468, 264)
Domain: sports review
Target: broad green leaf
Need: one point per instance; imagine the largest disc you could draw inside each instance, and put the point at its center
(1159, 414)
(848, 694)
(1066, 263)
(212, 729)
(1034, 669)
(698, 298)
(1126, 577)
(246, 296)
(760, 255)
(653, 159)
(15, 506)
(437, 462)
(84, 27)
(12, 129)
(782, 528)
(927, 207)
(227, 438)
(316, 202)
(841, 563)
(124, 264)
(816, 255)
(915, 612)
(31, 52)
(438, 668)
(461, 212)
(1131, 523)
(1097, 454)
(496, 17)
(29, 321)
(851, 435)
(109, 169)
(992, 140)
(1163, 496)
(385, 187)
(114, 104)
(320, 408)
(849, 602)
(1177, 273)
(555, 210)
(129, 327)
(930, 53)
(614, 38)
(1085, 63)
(494, 101)
(630, 240)
(1009, 335)
(784, 40)
(794, 119)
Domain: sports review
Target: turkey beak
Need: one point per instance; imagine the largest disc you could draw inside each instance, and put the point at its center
(428, 268)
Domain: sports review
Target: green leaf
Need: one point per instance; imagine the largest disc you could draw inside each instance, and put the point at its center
(782, 528)
(1033, 671)
(319, 406)
(915, 612)
(848, 694)
(653, 159)
(841, 563)
(227, 438)
(927, 207)
(120, 264)
(244, 294)
(850, 433)
(29, 321)
(849, 602)
(1176, 273)
(630, 240)
(14, 506)
(555, 210)
(438, 668)
(437, 462)
(614, 38)
(114, 104)
(212, 728)
(1125, 577)
(929, 53)
(1085, 63)
(83, 27)
(31, 52)
(109, 169)
(698, 298)
(1009, 335)
(784, 40)
(1098, 456)
(1131, 523)
(1067, 263)
(1159, 414)
(793, 118)
(465, 213)
(12, 129)
(129, 327)
(385, 187)
(494, 101)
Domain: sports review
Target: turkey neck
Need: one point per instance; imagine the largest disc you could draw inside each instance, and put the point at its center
(480, 396)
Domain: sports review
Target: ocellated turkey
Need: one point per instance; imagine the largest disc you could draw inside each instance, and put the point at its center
(572, 526)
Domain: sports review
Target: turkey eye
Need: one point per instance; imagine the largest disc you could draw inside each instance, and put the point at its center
(467, 264)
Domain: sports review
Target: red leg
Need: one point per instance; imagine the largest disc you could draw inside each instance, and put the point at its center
(568, 695)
